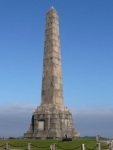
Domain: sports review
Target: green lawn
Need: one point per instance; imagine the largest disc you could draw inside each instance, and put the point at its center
(90, 143)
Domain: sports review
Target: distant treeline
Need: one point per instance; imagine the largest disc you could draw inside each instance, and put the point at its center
(85, 137)
(94, 137)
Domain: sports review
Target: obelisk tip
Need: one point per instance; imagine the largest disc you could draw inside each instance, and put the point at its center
(52, 9)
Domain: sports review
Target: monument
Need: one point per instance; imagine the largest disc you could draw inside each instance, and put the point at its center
(51, 119)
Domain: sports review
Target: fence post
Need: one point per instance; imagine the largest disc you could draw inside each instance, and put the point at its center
(111, 145)
(54, 146)
(29, 146)
(83, 147)
(51, 147)
(7, 146)
(98, 146)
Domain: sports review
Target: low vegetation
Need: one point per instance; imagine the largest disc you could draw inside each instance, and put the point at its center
(22, 143)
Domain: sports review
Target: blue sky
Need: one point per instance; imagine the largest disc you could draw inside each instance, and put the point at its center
(86, 35)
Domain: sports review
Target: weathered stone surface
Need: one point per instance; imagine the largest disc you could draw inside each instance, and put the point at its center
(57, 122)
(51, 119)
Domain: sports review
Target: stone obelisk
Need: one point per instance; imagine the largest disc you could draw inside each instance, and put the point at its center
(51, 119)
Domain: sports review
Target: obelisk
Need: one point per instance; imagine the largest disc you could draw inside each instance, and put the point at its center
(51, 119)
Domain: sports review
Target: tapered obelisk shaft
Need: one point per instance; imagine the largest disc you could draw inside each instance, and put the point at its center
(52, 74)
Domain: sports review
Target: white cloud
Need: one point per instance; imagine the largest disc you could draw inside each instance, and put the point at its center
(15, 120)
(92, 111)
(92, 121)
(17, 109)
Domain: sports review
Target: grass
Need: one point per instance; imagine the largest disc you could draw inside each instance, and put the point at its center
(19, 143)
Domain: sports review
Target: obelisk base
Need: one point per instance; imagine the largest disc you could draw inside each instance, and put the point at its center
(50, 122)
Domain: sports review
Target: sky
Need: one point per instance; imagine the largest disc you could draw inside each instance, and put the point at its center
(86, 36)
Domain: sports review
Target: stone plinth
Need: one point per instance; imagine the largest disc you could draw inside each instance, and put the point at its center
(57, 123)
